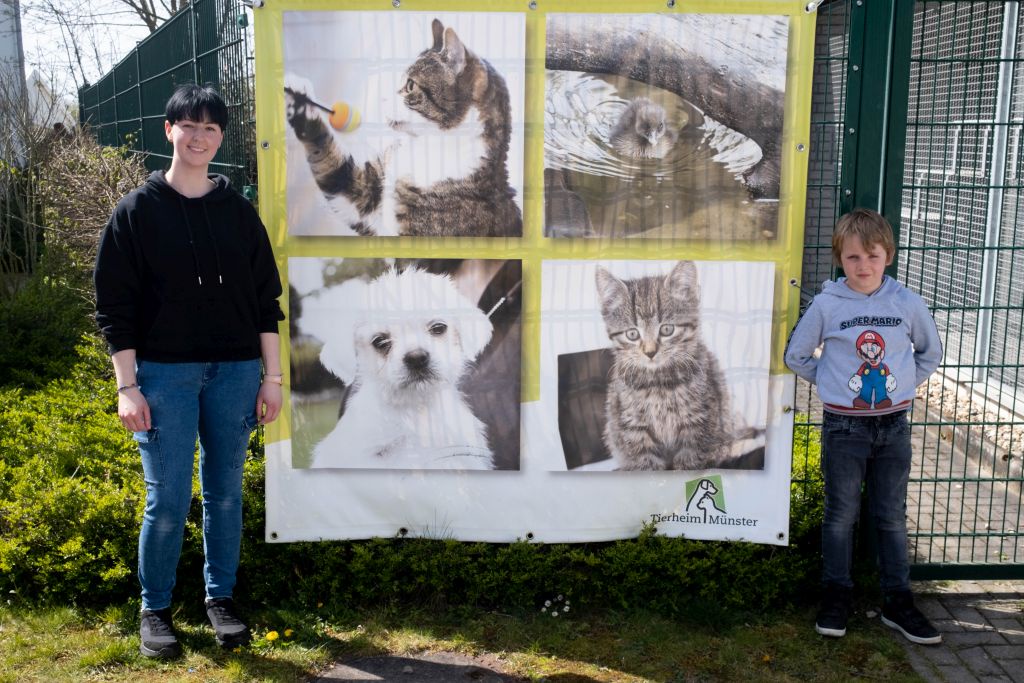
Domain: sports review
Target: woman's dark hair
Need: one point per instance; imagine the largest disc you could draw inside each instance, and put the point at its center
(197, 103)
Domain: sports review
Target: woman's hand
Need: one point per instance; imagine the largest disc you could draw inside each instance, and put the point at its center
(133, 409)
(268, 402)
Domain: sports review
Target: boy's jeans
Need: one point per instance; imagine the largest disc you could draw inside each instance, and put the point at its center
(874, 450)
(217, 401)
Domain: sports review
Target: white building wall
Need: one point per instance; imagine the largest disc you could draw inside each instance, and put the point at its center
(12, 76)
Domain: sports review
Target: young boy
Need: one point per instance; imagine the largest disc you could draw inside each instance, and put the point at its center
(878, 343)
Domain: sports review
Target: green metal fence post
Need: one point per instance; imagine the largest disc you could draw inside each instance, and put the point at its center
(195, 41)
(138, 92)
(881, 35)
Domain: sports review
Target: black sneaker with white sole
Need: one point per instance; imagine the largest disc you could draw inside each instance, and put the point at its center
(900, 613)
(834, 611)
(156, 634)
(229, 629)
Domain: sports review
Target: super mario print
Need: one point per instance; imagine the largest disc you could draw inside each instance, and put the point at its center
(873, 382)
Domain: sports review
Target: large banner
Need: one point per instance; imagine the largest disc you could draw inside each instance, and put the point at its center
(540, 265)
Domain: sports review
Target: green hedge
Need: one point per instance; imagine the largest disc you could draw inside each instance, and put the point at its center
(70, 488)
(40, 325)
(71, 496)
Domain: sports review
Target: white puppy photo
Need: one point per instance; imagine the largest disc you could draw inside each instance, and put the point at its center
(406, 343)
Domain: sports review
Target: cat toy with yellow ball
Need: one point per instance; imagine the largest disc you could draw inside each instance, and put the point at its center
(342, 116)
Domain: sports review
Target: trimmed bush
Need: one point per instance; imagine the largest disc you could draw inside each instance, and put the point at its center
(70, 488)
(40, 324)
(72, 494)
(652, 571)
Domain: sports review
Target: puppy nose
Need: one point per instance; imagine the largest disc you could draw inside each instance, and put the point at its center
(416, 360)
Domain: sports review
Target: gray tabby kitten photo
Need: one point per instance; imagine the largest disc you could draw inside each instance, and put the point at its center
(667, 404)
(446, 89)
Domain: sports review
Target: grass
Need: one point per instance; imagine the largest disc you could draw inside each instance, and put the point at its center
(708, 644)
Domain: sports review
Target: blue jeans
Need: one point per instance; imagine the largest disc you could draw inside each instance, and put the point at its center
(873, 450)
(217, 402)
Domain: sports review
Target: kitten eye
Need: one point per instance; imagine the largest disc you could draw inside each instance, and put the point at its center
(667, 330)
(410, 85)
(381, 342)
(437, 329)
(633, 334)
(661, 127)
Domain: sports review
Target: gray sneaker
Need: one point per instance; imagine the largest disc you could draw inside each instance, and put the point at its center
(231, 631)
(156, 634)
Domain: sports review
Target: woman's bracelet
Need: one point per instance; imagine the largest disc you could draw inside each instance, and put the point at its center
(274, 379)
(126, 387)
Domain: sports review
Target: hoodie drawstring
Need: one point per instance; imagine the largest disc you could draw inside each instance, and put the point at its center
(216, 251)
(191, 239)
(192, 242)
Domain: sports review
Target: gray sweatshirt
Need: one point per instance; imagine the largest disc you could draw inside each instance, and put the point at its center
(876, 348)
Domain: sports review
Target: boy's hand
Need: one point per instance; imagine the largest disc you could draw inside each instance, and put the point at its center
(890, 384)
(856, 383)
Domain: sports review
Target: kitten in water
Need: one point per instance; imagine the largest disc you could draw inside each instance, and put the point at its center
(667, 405)
(449, 94)
(643, 131)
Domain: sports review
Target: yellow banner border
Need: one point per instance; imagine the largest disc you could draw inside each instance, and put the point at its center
(533, 248)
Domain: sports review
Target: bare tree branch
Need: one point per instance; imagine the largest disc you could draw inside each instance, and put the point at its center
(84, 40)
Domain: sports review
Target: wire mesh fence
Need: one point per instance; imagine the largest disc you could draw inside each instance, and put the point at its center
(207, 42)
(960, 242)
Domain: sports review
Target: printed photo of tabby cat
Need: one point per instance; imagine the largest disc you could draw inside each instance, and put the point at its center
(660, 365)
(405, 123)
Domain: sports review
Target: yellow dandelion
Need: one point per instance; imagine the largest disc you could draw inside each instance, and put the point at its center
(237, 650)
(271, 636)
(319, 605)
(288, 633)
(767, 659)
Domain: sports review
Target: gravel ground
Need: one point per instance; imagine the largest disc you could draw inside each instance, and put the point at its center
(958, 403)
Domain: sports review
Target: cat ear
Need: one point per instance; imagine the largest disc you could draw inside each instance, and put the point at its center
(612, 290)
(682, 281)
(454, 52)
(438, 30)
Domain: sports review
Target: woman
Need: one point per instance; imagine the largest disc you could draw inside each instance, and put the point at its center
(186, 296)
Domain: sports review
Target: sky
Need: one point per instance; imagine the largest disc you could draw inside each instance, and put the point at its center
(108, 32)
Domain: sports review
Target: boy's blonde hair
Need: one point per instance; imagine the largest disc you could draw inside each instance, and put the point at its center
(867, 225)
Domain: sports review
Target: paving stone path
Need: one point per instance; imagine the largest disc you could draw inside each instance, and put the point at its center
(982, 625)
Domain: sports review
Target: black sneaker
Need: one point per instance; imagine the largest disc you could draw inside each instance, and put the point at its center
(835, 610)
(156, 633)
(899, 612)
(231, 632)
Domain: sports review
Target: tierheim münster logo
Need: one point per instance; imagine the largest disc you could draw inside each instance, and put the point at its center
(705, 504)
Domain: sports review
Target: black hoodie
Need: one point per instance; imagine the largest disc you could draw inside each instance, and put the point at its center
(186, 280)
